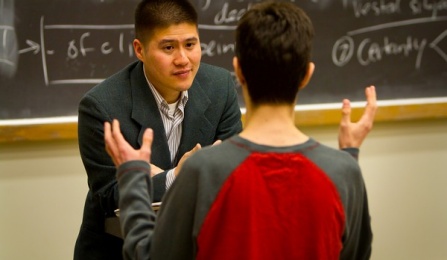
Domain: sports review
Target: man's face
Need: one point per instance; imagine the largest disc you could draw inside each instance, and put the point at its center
(171, 58)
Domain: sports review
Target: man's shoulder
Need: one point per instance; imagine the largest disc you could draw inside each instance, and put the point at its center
(213, 80)
(211, 72)
(115, 82)
(208, 67)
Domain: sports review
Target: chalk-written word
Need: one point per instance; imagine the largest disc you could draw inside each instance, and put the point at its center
(375, 7)
(77, 47)
(418, 6)
(87, 51)
(226, 15)
(369, 51)
(213, 48)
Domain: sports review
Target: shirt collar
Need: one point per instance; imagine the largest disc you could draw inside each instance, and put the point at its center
(161, 101)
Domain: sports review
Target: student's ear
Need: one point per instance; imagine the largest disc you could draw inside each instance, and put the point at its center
(309, 73)
(240, 77)
(138, 49)
(238, 71)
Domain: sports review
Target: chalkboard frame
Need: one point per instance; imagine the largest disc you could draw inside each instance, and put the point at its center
(317, 115)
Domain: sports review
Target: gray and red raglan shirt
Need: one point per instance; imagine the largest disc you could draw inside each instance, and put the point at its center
(241, 200)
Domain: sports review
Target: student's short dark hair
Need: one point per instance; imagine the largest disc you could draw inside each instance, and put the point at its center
(273, 46)
(155, 14)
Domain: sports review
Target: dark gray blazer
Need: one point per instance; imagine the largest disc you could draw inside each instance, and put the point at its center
(212, 113)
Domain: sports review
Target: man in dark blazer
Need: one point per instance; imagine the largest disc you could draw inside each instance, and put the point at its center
(169, 70)
(212, 113)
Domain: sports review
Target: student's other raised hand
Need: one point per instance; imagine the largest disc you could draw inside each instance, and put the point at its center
(352, 134)
(120, 150)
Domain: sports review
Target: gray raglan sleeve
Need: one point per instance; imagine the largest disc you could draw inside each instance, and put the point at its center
(136, 214)
(357, 240)
(354, 152)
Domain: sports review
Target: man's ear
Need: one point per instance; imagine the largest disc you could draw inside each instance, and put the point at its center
(238, 71)
(138, 49)
(308, 76)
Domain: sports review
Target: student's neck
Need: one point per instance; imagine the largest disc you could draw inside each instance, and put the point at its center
(272, 125)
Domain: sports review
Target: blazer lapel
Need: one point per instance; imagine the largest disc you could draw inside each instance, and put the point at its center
(145, 112)
(196, 126)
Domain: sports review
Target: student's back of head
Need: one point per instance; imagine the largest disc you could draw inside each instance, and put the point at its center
(273, 46)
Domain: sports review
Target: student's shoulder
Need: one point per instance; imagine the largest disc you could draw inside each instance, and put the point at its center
(340, 166)
(328, 155)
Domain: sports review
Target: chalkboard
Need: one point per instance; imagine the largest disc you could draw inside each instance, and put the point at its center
(53, 51)
(399, 46)
(56, 50)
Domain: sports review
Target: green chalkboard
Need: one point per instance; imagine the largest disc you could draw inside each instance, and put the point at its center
(53, 51)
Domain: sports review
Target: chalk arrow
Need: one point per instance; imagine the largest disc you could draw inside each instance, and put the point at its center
(32, 47)
(434, 45)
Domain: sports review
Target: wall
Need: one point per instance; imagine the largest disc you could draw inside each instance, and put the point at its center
(43, 186)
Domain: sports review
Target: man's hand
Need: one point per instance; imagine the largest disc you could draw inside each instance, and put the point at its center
(155, 170)
(352, 134)
(189, 154)
(184, 157)
(120, 150)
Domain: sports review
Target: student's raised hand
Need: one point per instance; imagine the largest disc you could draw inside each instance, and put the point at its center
(120, 150)
(353, 134)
